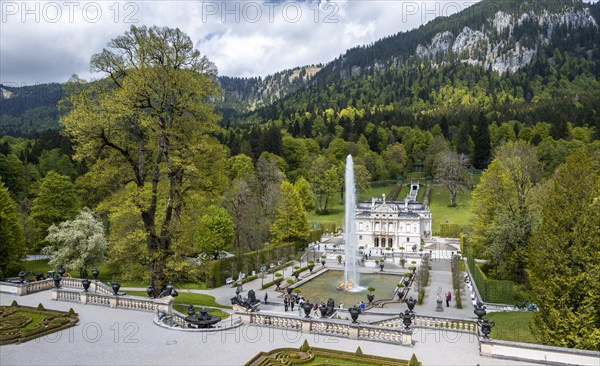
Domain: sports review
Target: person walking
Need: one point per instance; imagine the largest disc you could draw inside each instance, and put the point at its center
(285, 304)
(291, 305)
(315, 307)
(448, 298)
(266, 298)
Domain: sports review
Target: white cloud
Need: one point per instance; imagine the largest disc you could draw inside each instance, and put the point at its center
(50, 40)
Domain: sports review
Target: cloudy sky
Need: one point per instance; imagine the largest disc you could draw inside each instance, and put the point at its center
(47, 41)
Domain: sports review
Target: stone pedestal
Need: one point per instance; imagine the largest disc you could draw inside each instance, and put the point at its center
(406, 338)
(440, 306)
(83, 297)
(306, 326)
(353, 332)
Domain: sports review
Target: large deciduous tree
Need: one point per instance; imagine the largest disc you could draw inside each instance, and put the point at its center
(326, 179)
(12, 249)
(564, 260)
(291, 224)
(215, 232)
(152, 120)
(56, 202)
(77, 244)
(453, 173)
(502, 202)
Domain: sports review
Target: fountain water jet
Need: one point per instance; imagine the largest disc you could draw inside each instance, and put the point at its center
(351, 281)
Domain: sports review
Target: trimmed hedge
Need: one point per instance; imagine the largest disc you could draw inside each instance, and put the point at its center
(492, 291)
(216, 271)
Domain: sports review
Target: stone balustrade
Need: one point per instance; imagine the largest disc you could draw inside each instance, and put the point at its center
(332, 327)
(176, 321)
(120, 302)
(431, 322)
(21, 289)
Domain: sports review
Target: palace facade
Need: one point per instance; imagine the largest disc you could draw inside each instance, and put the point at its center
(394, 224)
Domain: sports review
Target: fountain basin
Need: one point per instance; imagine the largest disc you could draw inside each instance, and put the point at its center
(325, 286)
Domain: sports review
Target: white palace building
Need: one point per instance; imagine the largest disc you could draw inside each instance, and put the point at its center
(394, 224)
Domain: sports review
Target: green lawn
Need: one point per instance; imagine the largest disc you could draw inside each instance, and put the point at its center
(439, 200)
(106, 275)
(512, 326)
(187, 298)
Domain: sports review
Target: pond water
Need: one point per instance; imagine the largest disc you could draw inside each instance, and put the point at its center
(324, 287)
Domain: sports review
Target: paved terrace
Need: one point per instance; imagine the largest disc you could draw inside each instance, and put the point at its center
(108, 336)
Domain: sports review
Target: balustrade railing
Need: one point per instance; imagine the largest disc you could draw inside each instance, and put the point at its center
(336, 328)
(461, 325)
(120, 302)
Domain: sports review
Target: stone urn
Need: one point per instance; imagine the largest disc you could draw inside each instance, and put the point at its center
(61, 271)
(86, 284)
(381, 267)
(411, 304)
(486, 327)
(307, 307)
(323, 262)
(407, 318)
(354, 312)
(95, 274)
(370, 297)
(310, 267)
(323, 310)
(22, 275)
(191, 311)
(289, 291)
(150, 291)
(57, 281)
(479, 310)
(115, 287)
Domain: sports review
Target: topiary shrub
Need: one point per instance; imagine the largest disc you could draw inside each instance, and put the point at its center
(14, 303)
(71, 312)
(359, 352)
(305, 347)
(40, 306)
(413, 361)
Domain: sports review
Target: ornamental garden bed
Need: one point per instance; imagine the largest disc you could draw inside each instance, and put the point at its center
(20, 324)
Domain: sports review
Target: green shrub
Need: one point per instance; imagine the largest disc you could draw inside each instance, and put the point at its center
(305, 347)
(40, 306)
(359, 352)
(14, 303)
(413, 361)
